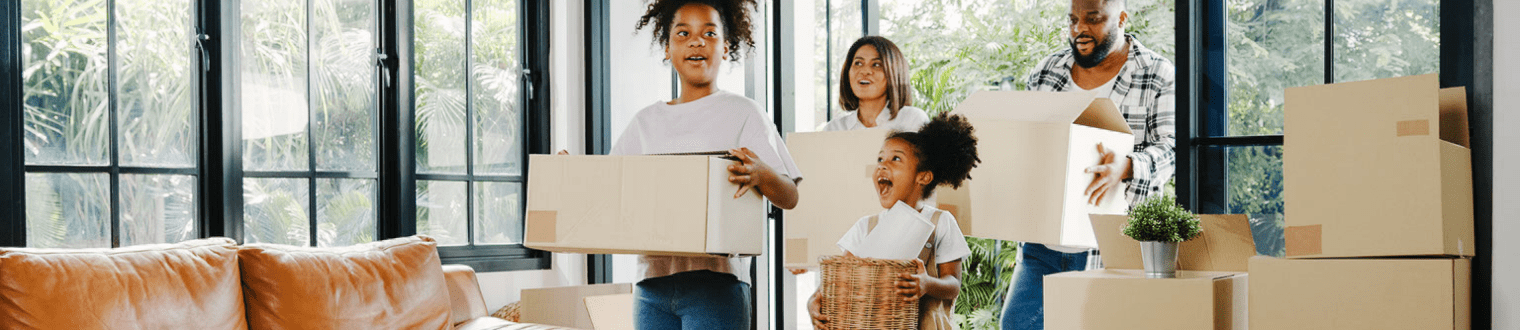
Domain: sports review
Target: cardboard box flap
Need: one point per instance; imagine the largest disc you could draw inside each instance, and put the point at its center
(1049, 107)
(1102, 113)
(1225, 245)
(1454, 116)
(611, 312)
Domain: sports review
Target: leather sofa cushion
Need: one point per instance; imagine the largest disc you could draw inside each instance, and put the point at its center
(391, 284)
(189, 285)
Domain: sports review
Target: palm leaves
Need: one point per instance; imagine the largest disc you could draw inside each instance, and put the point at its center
(985, 276)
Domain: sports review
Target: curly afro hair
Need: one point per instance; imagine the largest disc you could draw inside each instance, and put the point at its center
(736, 23)
(946, 146)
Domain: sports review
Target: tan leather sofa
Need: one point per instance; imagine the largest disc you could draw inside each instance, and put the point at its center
(216, 284)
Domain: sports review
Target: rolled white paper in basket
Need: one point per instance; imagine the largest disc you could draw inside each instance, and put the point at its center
(900, 234)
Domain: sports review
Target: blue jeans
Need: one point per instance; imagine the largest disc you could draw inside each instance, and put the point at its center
(1025, 308)
(692, 300)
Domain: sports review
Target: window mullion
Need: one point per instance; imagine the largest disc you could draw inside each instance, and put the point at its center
(469, 123)
(113, 84)
(311, 120)
(1329, 41)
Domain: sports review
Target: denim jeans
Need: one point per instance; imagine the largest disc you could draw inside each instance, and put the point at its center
(1025, 307)
(692, 300)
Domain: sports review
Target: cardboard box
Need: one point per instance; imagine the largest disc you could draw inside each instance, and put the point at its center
(1226, 244)
(837, 192)
(658, 205)
(1344, 294)
(565, 306)
(1034, 147)
(1125, 299)
(611, 312)
(1377, 168)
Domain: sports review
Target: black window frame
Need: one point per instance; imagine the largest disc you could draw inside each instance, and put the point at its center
(219, 172)
(1202, 110)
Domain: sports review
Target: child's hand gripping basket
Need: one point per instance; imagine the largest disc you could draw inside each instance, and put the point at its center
(861, 293)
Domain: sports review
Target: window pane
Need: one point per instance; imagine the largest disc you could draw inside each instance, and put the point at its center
(441, 211)
(157, 209)
(1274, 44)
(273, 71)
(275, 211)
(1253, 185)
(63, 50)
(494, 87)
(439, 79)
(344, 79)
(498, 213)
(345, 211)
(1386, 38)
(157, 80)
(68, 210)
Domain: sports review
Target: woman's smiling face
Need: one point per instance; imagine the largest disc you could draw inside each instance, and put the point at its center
(868, 75)
(696, 47)
(897, 177)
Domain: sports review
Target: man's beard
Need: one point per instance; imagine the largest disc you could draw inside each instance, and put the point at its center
(1100, 51)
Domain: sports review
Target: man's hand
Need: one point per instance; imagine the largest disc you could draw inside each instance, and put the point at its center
(1109, 172)
(820, 322)
(911, 285)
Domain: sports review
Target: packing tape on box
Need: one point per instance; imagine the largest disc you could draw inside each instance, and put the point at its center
(796, 250)
(1414, 127)
(544, 223)
(1303, 240)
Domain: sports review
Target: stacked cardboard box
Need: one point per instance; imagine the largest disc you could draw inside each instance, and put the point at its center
(1209, 292)
(656, 205)
(1378, 193)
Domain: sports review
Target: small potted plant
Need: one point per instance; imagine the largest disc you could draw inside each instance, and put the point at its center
(1160, 225)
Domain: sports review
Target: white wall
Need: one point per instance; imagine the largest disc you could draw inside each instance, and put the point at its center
(1506, 239)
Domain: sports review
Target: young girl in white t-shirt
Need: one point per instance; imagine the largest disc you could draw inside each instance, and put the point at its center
(698, 36)
(908, 168)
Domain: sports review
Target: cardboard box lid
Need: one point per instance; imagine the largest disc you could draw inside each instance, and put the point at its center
(565, 306)
(1078, 107)
(1136, 274)
(1226, 244)
(611, 312)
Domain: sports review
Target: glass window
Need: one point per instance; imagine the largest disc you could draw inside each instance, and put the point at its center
(301, 81)
(110, 122)
(1377, 39)
(469, 121)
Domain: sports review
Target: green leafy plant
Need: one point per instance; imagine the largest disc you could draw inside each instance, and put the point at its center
(985, 276)
(1161, 219)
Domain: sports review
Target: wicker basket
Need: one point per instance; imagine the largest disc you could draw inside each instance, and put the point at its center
(861, 293)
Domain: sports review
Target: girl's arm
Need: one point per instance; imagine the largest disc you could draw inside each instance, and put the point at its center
(947, 286)
(751, 173)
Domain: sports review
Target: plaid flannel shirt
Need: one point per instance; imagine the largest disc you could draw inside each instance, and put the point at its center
(1144, 79)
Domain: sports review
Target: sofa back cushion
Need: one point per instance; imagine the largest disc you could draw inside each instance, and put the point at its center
(189, 285)
(391, 284)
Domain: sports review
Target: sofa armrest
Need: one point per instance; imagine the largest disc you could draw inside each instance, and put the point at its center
(465, 298)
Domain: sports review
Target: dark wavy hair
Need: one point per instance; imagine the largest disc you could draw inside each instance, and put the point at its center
(946, 146)
(734, 13)
(899, 91)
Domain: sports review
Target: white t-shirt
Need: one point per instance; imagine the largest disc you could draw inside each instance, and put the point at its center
(948, 242)
(908, 118)
(717, 122)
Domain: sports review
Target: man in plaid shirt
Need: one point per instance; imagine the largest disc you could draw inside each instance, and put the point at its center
(1142, 84)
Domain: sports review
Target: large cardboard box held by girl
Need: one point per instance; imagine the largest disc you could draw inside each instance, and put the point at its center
(1035, 146)
(1377, 168)
(680, 205)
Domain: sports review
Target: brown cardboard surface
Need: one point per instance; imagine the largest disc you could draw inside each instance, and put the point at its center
(1226, 244)
(1403, 293)
(1125, 299)
(565, 306)
(639, 204)
(837, 192)
(611, 312)
(1304, 240)
(1454, 116)
(1373, 192)
(1034, 148)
